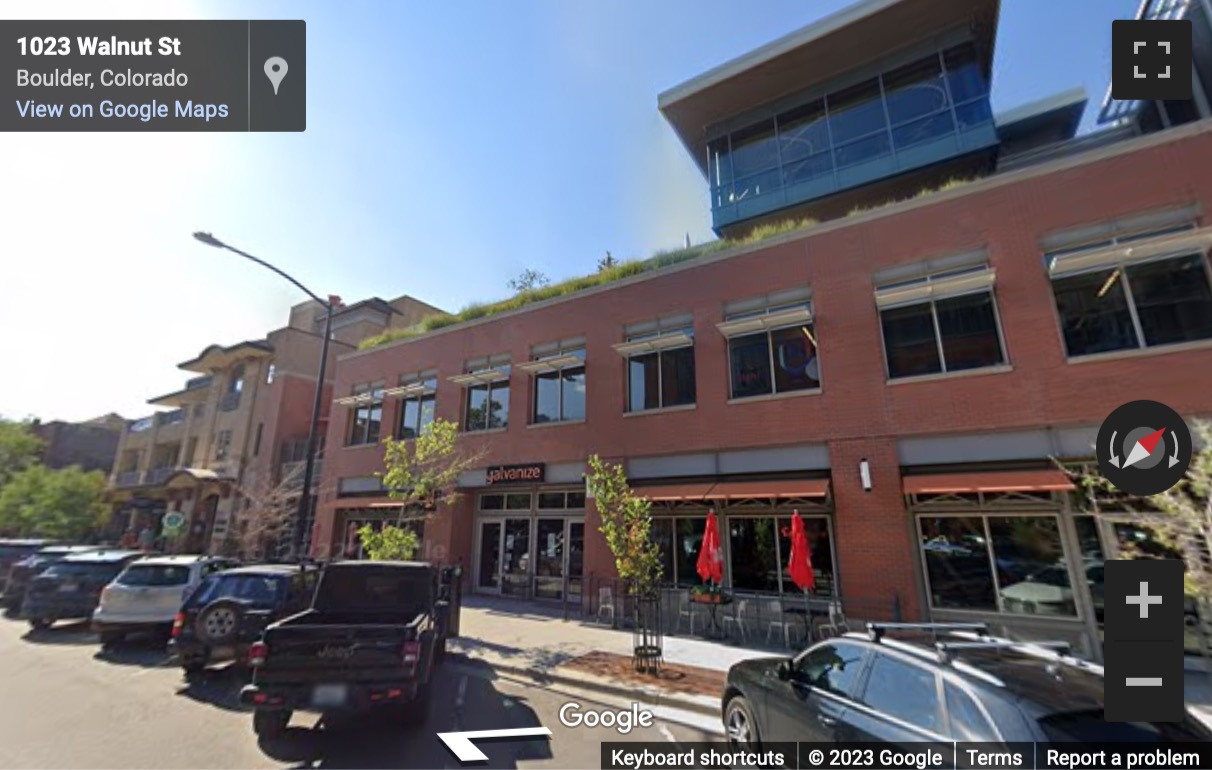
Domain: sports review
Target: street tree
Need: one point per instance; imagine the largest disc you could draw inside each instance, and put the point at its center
(422, 476)
(19, 448)
(529, 280)
(626, 525)
(59, 504)
(265, 527)
(607, 262)
(1179, 518)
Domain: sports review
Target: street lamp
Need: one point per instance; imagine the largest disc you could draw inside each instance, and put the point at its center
(309, 468)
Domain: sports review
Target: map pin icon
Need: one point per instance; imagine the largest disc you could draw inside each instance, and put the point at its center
(275, 70)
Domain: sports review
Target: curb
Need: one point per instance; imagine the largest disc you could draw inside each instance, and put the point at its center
(648, 695)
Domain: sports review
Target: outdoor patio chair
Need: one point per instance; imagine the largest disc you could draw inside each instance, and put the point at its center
(835, 624)
(780, 622)
(738, 619)
(686, 611)
(606, 603)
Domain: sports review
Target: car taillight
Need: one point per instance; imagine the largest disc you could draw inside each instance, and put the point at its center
(412, 653)
(257, 653)
(178, 624)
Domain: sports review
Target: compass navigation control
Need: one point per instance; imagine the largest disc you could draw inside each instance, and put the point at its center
(1144, 448)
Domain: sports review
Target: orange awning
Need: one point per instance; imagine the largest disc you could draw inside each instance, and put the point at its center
(783, 488)
(989, 481)
(734, 490)
(670, 492)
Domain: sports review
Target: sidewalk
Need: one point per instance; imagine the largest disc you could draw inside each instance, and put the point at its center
(533, 640)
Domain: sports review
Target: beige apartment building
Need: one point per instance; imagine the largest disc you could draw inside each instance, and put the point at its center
(238, 427)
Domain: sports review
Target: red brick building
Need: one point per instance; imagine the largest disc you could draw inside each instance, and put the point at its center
(903, 376)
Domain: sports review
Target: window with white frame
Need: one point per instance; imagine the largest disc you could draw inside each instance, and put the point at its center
(559, 381)
(1134, 283)
(772, 345)
(486, 381)
(939, 316)
(366, 420)
(417, 393)
(660, 363)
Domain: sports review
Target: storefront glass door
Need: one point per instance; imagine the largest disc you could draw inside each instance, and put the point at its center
(576, 557)
(549, 564)
(488, 578)
(516, 558)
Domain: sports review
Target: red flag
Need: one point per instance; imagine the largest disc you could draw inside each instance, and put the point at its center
(711, 564)
(800, 563)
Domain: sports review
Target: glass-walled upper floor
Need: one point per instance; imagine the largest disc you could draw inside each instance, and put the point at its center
(910, 116)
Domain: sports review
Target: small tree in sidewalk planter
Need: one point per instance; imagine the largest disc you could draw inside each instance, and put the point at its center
(627, 527)
(422, 475)
(1179, 518)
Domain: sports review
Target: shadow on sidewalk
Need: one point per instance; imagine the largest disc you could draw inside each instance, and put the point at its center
(386, 740)
(537, 658)
(75, 633)
(217, 687)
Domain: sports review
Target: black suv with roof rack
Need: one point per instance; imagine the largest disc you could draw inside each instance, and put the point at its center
(954, 682)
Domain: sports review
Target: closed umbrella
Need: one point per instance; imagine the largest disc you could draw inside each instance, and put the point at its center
(800, 564)
(710, 565)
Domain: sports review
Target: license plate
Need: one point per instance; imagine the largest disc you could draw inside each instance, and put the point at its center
(328, 695)
(66, 587)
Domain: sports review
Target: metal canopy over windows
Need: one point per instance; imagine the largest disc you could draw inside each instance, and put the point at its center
(989, 481)
(660, 363)
(736, 490)
(939, 316)
(414, 385)
(559, 373)
(1133, 283)
(772, 346)
(486, 381)
(367, 419)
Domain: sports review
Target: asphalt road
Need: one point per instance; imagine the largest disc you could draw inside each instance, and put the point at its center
(65, 704)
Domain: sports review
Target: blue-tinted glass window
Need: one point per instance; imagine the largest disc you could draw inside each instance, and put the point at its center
(863, 150)
(750, 360)
(923, 130)
(759, 184)
(915, 91)
(754, 149)
(856, 111)
(804, 169)
(973, 113)
(719, 171)
(963, 74)
(803, 131)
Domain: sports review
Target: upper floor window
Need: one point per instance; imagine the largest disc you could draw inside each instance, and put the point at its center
(235, 384)
(418, 396)
(559, 381)
(660, 363)
(1125, 289)
(366, 420)
(772, 347)
(486, 381)
(269, 374)
(939, 316)
(222, 445)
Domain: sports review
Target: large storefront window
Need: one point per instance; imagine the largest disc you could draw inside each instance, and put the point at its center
(1012, 564)
(358, 518)
(756, 550)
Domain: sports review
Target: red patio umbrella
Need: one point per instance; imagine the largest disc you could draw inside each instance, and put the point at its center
(800, 564)
(710, 565)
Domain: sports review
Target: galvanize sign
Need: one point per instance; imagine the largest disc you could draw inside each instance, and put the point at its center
(513, 474)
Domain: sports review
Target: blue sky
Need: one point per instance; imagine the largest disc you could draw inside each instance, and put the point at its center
(450, 145)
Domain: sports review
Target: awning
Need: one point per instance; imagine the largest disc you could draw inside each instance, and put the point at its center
(1052, 480)
(736, 490)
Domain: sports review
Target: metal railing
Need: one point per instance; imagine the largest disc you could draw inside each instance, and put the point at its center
(197, 383)
(290, 475)
(128, 479)
(160, 475)
(171, 418)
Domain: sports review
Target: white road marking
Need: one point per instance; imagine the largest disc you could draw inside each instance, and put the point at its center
(665, 731)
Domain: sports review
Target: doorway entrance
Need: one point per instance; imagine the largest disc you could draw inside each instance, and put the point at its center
(534, 556)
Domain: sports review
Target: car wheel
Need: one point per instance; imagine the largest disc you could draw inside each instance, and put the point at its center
(40, 624)
(270, 724)
(219, 622)
(740, 725)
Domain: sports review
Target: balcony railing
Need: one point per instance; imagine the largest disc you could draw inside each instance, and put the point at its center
(197, 383)
(230, 402)
(129, 479)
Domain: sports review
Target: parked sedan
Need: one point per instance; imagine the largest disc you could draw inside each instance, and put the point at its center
(13, 551)
(230, 609)
(71, 589)
(25, 570)
(148, 593)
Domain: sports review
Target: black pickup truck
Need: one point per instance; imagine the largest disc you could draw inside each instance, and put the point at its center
(372, 638)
